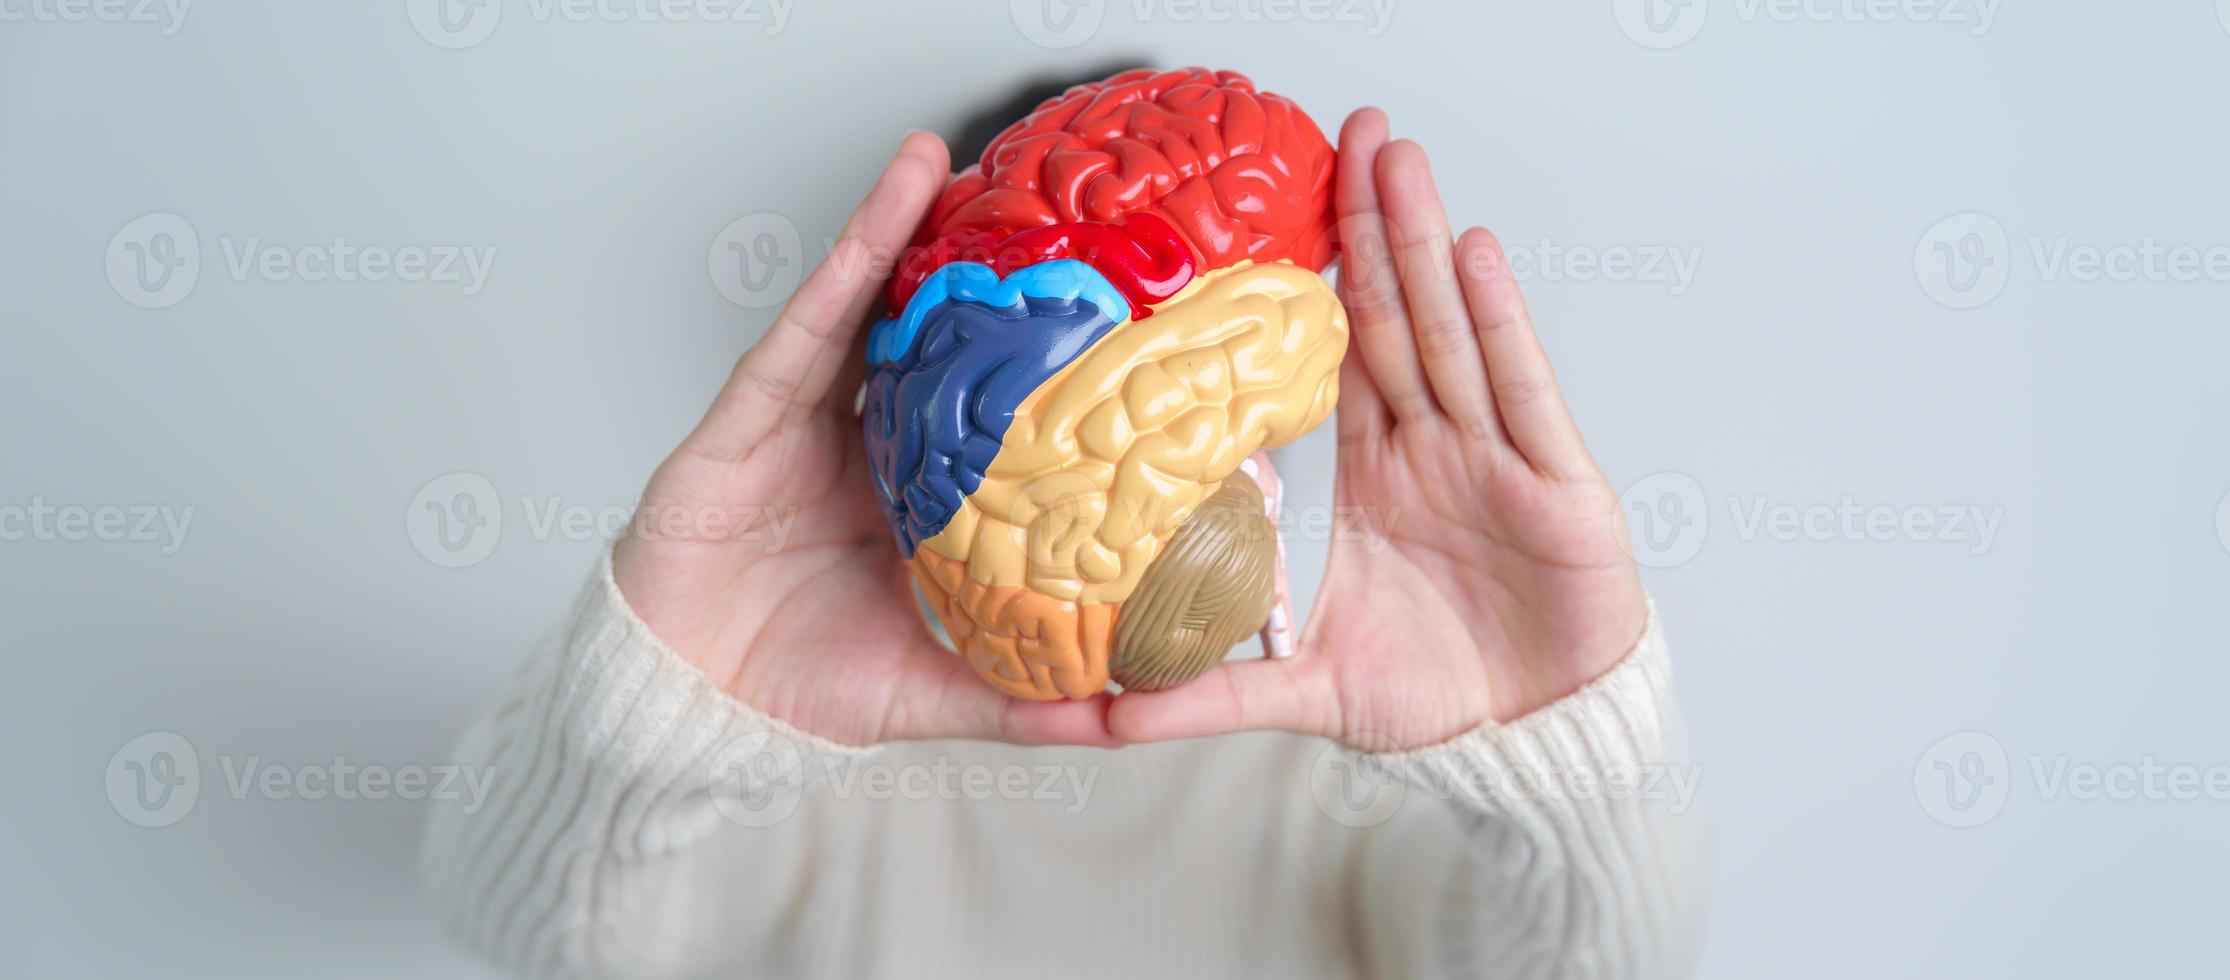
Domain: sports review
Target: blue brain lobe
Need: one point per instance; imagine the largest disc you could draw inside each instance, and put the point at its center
(947, 376)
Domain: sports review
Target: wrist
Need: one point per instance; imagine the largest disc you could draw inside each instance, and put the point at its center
(1569, 664)
(665, 599)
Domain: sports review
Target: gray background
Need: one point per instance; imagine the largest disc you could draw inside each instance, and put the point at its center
(1817, 355)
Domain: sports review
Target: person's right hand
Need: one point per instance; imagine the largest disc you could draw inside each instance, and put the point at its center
(816, 626)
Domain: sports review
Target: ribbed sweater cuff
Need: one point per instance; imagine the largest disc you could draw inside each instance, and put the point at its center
(635, 714)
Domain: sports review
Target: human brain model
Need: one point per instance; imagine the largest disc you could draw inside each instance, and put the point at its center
(1102, 318)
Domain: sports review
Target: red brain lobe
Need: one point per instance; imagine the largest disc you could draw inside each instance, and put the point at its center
(1239, 173)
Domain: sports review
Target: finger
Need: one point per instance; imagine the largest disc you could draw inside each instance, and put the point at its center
(1525, 389)
(1057, 722)
(851, 372)
(1293, 695)
(886, 220)
(1361, 411)
(963, 706)
(794, 363)
(1424, 258)
(1368, 285)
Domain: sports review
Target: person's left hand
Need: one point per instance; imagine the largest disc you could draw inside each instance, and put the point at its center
(1504, 580)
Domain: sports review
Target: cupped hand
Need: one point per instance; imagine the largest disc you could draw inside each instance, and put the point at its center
(760, 555)
(1500, 577)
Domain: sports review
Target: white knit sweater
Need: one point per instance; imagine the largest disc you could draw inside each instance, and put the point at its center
(642, 823)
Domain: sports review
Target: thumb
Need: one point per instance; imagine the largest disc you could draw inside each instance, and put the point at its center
(1293, 695)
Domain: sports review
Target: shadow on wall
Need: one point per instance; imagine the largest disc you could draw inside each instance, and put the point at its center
(978, 129)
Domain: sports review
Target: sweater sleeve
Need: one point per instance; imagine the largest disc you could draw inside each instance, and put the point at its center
(1583, 850)
(609, 758)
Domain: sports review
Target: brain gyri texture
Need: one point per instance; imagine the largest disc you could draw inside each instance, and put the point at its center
(1103, 316)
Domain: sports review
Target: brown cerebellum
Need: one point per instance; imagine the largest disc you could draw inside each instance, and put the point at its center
(1209, 589)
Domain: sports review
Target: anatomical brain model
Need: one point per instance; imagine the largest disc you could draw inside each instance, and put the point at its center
(1101, 320)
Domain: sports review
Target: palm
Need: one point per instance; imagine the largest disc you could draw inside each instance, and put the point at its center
(801, 613)
(1499, 578)
(1485, 572)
